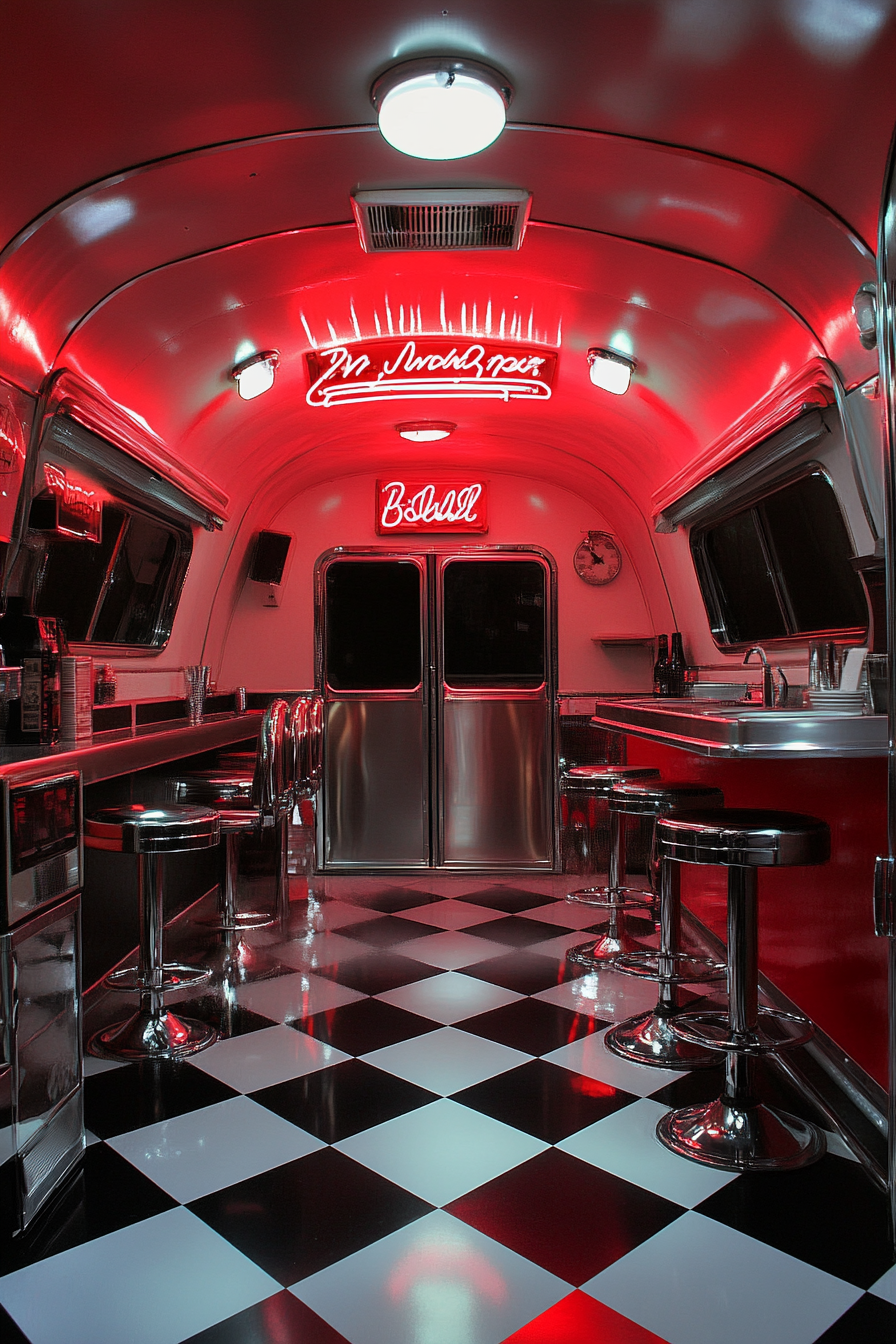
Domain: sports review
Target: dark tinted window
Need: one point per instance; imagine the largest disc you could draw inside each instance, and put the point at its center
(781, 567)
(494, 623)
(373, 636)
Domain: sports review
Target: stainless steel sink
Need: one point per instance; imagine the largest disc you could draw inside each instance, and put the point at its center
(722, 728)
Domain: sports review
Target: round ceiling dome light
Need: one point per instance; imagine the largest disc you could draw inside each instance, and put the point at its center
(441, 108)
(426, 431)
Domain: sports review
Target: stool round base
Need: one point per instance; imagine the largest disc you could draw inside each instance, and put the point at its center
(774, 1031)
(740, 1138)
(131, 980)
(611, 897)
(249, 919)
(145, 1036)
(603, 950)
(685, 969)
(232, 961)
(650, 1039)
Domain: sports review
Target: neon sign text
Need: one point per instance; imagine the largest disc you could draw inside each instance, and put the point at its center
(431, 506)
(424, 367)
(79, 511)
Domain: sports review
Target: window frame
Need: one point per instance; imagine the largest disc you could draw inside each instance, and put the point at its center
(714, 600)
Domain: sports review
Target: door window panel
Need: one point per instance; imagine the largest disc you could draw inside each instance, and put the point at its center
(494, 623)
(373, 625)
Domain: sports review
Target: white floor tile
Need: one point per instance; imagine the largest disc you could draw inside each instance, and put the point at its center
(450, 997)
(292, 998)
(452, 914)
(90, 1138)
(555, 946)
(339, 914)
(100, 1292)
(262, 1058)
(590, 1056)
(567, 915)
(885, 1287)
(93, 1066)
(605, 994)
(699, 1282)
(452, 949)
(625, 1144)
(318, 949)
(191, 1155)
(447, 1060)
(437, 1281)
(441, 1151)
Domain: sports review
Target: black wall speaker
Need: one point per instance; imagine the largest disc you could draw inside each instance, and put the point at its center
(269, 557)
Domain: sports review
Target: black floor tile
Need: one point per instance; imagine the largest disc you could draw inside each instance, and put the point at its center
(227, 1016)
(368, 1024)
(829, 1214)
(400, 898)
(706, 1084)
(532, 1025)
(868, 1321)
(308, 1214)
(9, 1331)
(524, 972)
(511, 899)
(105, 1195)
(565, 1215)
(544, 1100)
(281, 1319)
(378, 972)
(135, 1095)
(336, 1102)
(517, 932)
(387, 930)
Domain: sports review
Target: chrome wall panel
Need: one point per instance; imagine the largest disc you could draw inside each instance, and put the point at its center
(376, 784)
(496, 782)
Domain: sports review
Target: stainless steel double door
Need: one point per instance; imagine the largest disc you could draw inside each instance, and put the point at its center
(437, 675)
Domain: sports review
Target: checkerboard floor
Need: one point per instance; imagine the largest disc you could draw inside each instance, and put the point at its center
(410, 1132)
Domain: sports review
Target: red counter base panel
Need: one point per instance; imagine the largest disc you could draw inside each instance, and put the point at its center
(411, 1132)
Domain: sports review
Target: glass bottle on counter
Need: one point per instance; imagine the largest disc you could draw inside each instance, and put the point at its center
(677, 666)
(35, 644)
(661, 666)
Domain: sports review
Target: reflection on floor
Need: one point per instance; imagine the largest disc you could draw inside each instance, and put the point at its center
(410, 1133)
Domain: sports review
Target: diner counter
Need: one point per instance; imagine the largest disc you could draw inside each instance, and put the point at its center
(716, 728)
(124, 750)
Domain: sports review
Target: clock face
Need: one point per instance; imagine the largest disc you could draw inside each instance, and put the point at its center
(598, 558)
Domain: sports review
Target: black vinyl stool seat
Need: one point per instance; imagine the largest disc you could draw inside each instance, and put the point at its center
(737, 1131)
(617, 898)
(151, 833)
(649, 1038)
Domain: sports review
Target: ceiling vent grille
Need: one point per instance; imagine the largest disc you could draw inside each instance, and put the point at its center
(441, 221)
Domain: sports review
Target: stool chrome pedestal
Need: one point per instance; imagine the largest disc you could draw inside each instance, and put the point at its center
(617, 898)
(153, 1032)
(650, 1038)
(737, 1131)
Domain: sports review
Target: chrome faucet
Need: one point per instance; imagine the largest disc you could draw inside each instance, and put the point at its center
(773, 697)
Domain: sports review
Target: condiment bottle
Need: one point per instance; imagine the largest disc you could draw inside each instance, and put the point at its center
(677, 666)
(661, 666)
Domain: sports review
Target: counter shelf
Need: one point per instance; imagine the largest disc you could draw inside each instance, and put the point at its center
(713, 728)
(124, 750)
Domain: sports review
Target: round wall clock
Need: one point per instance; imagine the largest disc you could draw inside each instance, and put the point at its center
(598, 558)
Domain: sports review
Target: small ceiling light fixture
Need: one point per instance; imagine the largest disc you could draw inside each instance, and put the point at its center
(610, 370)
(255, 374)
(441, 108)
(426, 431)
(864, 310)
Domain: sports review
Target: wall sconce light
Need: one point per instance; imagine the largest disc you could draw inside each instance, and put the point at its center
(426, 431)
(611, 371)
(255, 374)
(440, 107)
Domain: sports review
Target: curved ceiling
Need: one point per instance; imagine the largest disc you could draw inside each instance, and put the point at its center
(177, 185)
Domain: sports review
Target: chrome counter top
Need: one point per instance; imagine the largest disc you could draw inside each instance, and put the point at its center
(123, 750)
(718, 728)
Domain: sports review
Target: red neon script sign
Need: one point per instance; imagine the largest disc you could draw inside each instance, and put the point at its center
(431, 506)
(429, 366)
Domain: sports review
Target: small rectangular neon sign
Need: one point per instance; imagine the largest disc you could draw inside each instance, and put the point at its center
(431, 506)
(429, 366)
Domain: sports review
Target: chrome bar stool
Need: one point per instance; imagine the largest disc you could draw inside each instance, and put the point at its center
(649, 1038)
(737, 1131)
(251, 801)
(598, 782)
(153, 1032)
